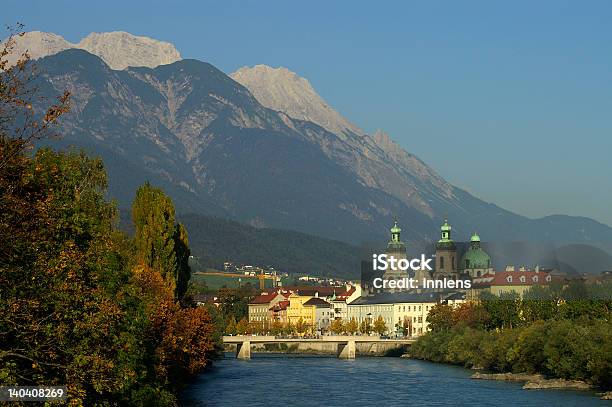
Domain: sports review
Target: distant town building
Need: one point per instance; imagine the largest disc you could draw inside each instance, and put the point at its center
(259, 307)
(321, 313)
(510, 280)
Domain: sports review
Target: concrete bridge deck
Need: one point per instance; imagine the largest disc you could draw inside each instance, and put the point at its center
(346, 343)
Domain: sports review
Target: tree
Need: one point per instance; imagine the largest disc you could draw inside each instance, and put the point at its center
(365, 327)
(503, 309)
(76, 308)
(379, 325)
(440, 317)
(301, 326)
(470, 314)
(234, 301)
(180, 337)
(155, 233)
(242, 327)
(276, 328)
(289, 328)
(24, 118)
(352, 327)
(230, 327)
(337, 326)
(181, 243)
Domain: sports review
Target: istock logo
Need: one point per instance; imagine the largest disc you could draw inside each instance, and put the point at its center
(384, 262)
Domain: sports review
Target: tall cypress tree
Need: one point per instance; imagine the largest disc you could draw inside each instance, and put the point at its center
(181, 244)
(155, 232)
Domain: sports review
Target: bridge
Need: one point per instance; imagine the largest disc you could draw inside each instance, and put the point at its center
(346, 343)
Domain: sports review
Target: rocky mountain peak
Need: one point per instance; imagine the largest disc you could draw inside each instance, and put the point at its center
(38, 44)
(285, 91)
(118, 49)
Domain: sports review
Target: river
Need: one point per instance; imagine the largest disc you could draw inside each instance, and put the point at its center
(294, 381)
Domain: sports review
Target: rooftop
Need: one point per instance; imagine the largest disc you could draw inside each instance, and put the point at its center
(402, 297)
(317, 302)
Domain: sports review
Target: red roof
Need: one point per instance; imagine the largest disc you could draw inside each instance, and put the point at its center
(513, 278)
(323, 291)
(345, 294)
(280, 306)
(264, 298)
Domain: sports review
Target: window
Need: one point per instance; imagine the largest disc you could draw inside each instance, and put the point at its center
(522, 279)
(509, 279)
(420, 320)
(547, 278)
(534, 279)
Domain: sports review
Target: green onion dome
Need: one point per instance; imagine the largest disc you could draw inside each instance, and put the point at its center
(475, 257)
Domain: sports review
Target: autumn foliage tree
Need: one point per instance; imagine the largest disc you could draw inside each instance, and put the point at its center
(76, 309)
(380, 327)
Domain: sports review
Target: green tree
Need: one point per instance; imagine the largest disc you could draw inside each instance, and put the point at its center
(181, 244)
(440, 317)
(230, 327)
(155, 233)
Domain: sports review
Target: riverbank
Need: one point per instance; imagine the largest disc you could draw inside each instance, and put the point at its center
(539, 382)
(561, 353)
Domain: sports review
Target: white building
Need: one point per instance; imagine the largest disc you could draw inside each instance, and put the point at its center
(403, 310)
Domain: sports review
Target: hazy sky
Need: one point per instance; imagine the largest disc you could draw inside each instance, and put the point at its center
(511, 100)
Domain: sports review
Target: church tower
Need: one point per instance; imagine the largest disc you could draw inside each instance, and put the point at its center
(397, 249)
(446, 255)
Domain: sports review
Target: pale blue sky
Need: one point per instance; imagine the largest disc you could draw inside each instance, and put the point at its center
(511, 100)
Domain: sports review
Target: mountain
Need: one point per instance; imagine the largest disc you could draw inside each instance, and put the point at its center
(283, 90)
(118, 49)
(214, 240)
(216, 149)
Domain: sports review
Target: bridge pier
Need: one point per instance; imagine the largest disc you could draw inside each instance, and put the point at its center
(346, 350)
(243, 350)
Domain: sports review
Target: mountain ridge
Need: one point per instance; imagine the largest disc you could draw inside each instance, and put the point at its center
(204, 136)
(118, 49)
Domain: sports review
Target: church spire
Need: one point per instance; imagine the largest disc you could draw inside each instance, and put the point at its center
(395, 233)
(445, 230)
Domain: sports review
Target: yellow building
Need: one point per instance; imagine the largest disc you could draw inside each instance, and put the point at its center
(259, 307)
(297, 309)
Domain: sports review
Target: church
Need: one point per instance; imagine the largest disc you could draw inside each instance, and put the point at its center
(474, 262)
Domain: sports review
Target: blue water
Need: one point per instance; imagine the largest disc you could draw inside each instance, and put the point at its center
(293, 381)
